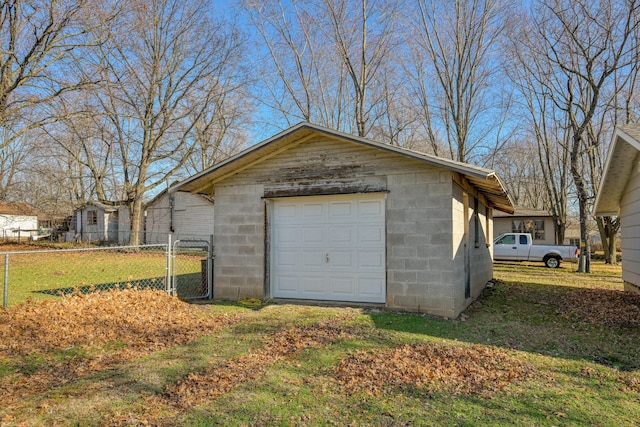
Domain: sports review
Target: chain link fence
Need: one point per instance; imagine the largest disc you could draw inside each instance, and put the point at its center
(180, 270)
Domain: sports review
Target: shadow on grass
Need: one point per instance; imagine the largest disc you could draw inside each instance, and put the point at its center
(188, 285)
(598, 325)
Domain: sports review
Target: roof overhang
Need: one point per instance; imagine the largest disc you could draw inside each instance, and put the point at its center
(621, 159)
(486, 181)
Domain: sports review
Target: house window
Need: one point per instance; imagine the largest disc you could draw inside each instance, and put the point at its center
(534, 227)
(92, 218)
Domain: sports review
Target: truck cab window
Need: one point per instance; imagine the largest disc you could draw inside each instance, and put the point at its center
(523, 240)
(507, 240)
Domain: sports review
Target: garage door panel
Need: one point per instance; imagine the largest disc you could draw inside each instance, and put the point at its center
(371, 287)
(313, 234)
(332, 248)
(342, 259)
(287, 258)
(341, 234)
(370, 234)
(287, 235)
(286, 285)
(314, 285)
(313, 210)
(286, 210)
(344, 286)
(371, 208)
(341, 209)
(312, 258)
(371, 260)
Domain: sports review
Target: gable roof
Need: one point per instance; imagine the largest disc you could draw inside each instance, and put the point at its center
(163, 192)
(17, 208)
(621, 158)
(485, 180)
(103, 206)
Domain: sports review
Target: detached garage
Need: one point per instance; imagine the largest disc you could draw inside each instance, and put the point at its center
(316, 214)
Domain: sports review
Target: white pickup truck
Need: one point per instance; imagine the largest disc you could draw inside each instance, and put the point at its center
(519, 247)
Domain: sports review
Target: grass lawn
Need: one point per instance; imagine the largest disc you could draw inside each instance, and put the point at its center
(43, 275)
(541, 347)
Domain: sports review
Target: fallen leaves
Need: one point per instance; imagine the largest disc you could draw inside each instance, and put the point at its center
(57, 341)
(198, 387)
(605, 307)
(146, 320)
(431, 367)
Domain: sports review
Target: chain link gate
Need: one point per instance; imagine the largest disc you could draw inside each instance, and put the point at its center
(192, 269)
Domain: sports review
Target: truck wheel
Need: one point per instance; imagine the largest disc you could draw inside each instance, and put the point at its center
(552, 262)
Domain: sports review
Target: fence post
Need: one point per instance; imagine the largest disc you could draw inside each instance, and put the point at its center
(5, 296)
(210, 267)
(168, 279)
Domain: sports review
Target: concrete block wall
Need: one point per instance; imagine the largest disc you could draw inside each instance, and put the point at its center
(480, 260)
(419, 262)
(239, 239)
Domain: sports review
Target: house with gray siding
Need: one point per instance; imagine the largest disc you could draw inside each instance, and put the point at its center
(183, 215)
(96, 221)
(313, 214)
(619, 195)
(538, 222)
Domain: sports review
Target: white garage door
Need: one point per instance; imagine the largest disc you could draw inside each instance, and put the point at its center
(329, 248)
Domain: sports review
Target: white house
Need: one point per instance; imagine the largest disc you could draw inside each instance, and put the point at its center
(184, 215)
(18, 219)
(319, 215)
(619, 195)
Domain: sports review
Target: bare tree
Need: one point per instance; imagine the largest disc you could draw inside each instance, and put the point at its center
(37, 39)
(363, 41)
(585, 43)
(522, 178)
(322, 58)
(156, 68)
(453, 47)
(36, 42)
(534, 78)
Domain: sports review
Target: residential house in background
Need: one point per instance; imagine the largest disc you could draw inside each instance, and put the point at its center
(538, 222)
(184, 215)
(18, 220)
(96, 221)
(619, 195)
(314, 214)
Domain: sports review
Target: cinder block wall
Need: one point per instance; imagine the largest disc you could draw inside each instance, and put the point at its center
(239, 241)
(419, 262)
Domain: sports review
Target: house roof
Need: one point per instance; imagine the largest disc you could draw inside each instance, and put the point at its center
(621, 158)
(523, 211)
(485, 180)
(105, 207)
(17, 208)
(163, 192)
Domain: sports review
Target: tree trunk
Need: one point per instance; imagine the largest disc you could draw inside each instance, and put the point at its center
(608, 228)
(135, 213)
(583, 264)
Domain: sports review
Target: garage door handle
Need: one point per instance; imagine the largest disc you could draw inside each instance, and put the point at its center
(326, 258)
